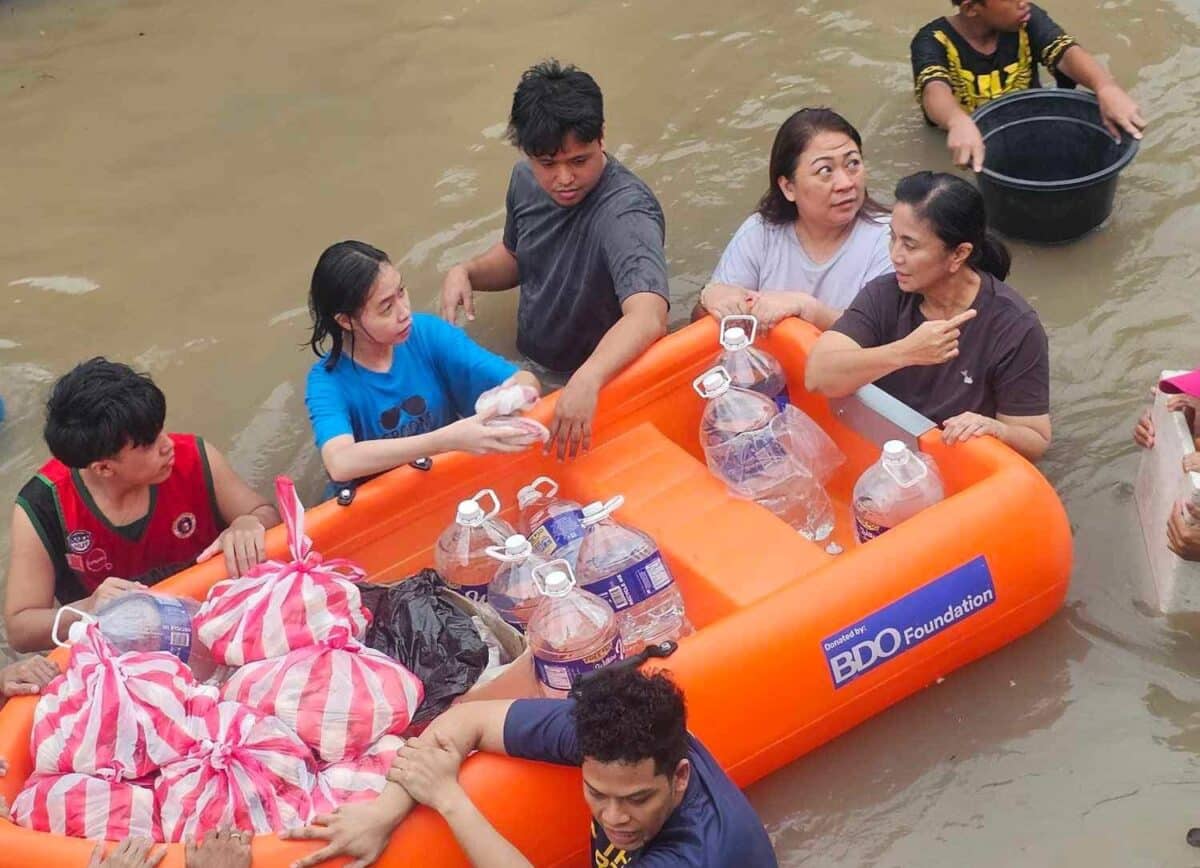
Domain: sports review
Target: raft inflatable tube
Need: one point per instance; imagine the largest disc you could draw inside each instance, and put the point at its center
(793, 645)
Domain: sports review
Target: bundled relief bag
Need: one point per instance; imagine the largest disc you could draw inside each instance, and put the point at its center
(84, 806)
(340, 697)
(356, 780)
(244, 770)
(278, 607)
(115, 716)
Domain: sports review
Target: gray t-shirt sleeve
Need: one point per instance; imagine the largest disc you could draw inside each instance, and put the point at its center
(632, 246)
(510, 223)
(741, 263)
(871, 316)
(1022, 381)
(881, 260)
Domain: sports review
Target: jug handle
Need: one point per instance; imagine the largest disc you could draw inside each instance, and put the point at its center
(550, 491)
(541, 571)
(726, 321)
(489, 493)
(499, 553)
(83, 616)
(698, 383)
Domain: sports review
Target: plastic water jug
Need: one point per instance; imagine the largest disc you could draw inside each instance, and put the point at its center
(461, 556)
(513, 592)
(743, 451)
(622, 566)
(554, 525)
(895, 488)
(749, 367)
(144, 621)
(571, 633)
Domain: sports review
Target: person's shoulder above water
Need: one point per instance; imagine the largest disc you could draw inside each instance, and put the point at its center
(713, 826)
(758, 228)
(428, 330)
(940, 23)
(521, 180)
(885, 287)
(1006, 298)
(542, 730)
(619, 191)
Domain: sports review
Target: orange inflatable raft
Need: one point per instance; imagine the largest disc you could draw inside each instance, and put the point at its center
(793, 645)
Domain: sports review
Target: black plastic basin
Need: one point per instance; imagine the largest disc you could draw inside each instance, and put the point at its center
(1050, 169)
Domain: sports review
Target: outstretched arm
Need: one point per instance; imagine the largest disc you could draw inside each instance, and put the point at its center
(361, 831)
(643, 321)
(428, 771)
(491, 271)
(962, 136)
(1117, 108)
(839, 365)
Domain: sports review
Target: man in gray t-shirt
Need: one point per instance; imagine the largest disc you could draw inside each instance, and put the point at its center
(583, 236)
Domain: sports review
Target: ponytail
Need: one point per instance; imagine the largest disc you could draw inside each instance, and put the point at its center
(992, 256)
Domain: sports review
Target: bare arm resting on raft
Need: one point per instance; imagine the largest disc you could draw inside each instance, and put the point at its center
(643, 321)
(247, 516)
(839, 366)
(722, 300)
(361, 831)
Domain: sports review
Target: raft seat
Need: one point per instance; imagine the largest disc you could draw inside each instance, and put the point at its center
(700, 527)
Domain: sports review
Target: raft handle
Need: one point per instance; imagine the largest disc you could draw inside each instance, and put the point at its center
(879, 417)
(658, 649)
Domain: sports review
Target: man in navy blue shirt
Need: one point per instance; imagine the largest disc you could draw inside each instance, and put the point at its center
(658, 799)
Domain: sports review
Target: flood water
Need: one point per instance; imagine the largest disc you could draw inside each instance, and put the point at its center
(169, 172)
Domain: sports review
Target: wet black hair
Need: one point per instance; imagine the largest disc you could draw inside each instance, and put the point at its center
(551, 101)
(793, 137)
(341, 283)
(624, 715)
(99, 408)
(955, 210)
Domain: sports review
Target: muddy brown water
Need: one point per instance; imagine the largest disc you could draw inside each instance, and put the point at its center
(169, 172)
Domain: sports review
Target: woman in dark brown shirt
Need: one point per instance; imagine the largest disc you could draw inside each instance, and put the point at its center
(944, 333)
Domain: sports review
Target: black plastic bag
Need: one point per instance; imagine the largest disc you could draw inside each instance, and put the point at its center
(413, 623)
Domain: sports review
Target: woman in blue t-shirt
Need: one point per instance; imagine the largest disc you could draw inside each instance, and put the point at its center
(394, 386)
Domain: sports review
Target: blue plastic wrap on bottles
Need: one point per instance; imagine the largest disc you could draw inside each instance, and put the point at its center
(893, 489)
(513, 592)
(572, 632)
(553, 524)
(623, 566)
(461, 556)
(750, 367)
(779, 460)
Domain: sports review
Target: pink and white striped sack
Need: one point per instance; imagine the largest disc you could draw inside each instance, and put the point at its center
(115, 716)
(246, 770)
(339, 697)
(277, 607)
(356, 780)
(82, 806)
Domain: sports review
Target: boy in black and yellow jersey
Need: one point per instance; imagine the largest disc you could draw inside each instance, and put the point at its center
(990, 48)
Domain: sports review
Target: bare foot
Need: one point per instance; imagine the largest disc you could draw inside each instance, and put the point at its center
(221, 848)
